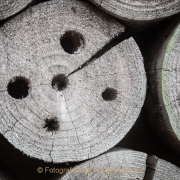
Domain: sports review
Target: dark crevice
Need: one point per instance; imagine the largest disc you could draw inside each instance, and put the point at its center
(151, 163)
(60, 82)
(109, 94)
(118, 39)
(18, 87)
(51, 124)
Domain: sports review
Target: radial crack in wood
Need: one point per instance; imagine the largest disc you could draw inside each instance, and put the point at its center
(9, 8)
(65, 118)
(139, 10)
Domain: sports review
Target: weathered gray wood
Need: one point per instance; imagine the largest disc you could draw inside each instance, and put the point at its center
(163, 97)
(115, 164)
(139, 10)
(90, 110)
(9, 8)
(161, 170)
(120, 163)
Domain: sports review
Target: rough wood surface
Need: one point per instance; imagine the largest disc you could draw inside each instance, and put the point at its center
(87, 112)
(120, 163)
(163, 96)
(116, 164)
(10, 7)
(162, 169)
(140, 10)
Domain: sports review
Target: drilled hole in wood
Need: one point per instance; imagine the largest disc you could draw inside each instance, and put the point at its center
(72, 42)
(18, 87)
(51, 124)
(60, 82)
(109, 94)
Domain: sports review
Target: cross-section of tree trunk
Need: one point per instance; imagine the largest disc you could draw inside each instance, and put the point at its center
(52, 106)
(116, 164)
(139, 10)
(10, 7)
(123, 164)
(164, 92)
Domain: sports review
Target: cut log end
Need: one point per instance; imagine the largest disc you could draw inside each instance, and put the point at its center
(12, 7)
(165, 92)
(121, 163)
(115, 164)
(64, 104)
(139, 10)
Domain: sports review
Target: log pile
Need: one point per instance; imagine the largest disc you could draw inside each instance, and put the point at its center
(121, 163)
(54, 96)
(9, 8)
(73, 83)
(139, 10)
(163, 97)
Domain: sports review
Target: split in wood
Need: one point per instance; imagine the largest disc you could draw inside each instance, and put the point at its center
(86, 81)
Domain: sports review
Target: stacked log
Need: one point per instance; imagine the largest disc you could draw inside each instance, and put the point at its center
(56, 104)
(115, 164)
(119, 163)
(139, 10)
(163, 93)
(9, 8)
(158, 169)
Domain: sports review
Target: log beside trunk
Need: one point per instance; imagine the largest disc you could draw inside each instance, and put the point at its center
(55, 104)
(139, 10)
(9, 8)
(163, 94)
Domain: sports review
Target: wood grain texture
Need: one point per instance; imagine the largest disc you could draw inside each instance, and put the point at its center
(9, 8)
(139, 10)
(164, 90)
(85, 125)
(162, 170)
(115, 164)
(120, 163)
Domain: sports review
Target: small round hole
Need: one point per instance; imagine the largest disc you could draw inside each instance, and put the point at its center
(18, 87)
(72, 42)
(60, 82)
(51, 124)
(109, 94)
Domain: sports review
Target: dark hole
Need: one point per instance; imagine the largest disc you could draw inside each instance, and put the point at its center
(18, 87)
(51, 124)
(109, 94)
(71, 41)
(60, 82)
